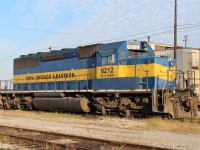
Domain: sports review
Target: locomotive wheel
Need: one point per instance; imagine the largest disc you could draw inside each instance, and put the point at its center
(103, 110)
(6, 105)
(128, 113)
(17, 106)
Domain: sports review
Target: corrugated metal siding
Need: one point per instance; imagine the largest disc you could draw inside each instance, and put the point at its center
(51, 57)
(182, 60)
(25, 62)
(59, 54)
(87, 51)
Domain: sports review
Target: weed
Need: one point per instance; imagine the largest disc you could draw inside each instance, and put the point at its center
(4, 139)
(173, 125)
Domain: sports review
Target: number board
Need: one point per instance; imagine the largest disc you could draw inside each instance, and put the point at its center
(107, 72)
(133, 47)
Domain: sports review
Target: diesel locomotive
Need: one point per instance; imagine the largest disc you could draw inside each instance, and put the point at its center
(122, 77)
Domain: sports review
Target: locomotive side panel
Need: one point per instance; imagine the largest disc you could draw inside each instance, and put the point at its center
(66, 73)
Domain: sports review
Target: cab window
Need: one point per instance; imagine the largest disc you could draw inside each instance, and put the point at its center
(122, 57)
(134, 54)
(107, 60)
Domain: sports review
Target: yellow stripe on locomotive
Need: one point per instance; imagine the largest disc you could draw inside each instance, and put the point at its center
(111, 71)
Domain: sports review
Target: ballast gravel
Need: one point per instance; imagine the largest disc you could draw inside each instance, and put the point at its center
(109, 128)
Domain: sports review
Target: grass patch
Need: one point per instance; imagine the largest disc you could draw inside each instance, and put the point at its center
(4, 139)
(173, 125)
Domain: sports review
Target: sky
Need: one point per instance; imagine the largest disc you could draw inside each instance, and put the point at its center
(28, 26)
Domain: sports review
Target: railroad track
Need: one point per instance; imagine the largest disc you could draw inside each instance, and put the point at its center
(38, 140)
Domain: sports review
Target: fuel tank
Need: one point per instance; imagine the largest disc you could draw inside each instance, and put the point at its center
(71, 104)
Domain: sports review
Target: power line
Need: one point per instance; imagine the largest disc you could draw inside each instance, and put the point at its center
(196, 24)
(47, 31)
(156, 34)
(129, 36)
(170, 31)
(72, 34)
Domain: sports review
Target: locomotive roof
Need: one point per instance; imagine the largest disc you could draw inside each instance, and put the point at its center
(110, 46)
(101, 47)
(38, 54)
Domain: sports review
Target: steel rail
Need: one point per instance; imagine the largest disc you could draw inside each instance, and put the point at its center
(93, 141)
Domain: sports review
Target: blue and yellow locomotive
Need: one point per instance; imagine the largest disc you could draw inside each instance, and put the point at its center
(122, 77)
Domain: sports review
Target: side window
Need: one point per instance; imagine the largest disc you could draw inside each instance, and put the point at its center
(139, 54)
(113, 59)
(122, 55)
(107, 60)
(104, 60)
(133, 54)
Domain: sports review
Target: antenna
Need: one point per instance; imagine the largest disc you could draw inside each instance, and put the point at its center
(50, 48)
(185, 40)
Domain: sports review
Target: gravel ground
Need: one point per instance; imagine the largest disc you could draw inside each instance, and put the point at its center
(119, 129)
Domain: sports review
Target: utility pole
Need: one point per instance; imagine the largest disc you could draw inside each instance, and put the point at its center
(185, 40)
(50, 48)
(175, 28)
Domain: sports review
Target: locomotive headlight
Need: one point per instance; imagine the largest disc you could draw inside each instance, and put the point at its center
(171, 63)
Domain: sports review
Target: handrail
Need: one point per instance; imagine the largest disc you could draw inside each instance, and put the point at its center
(27, 85)
(84, 76)
(7, 85)
(194, 76)
(163, 92)
(177, 71)
(147, 72)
